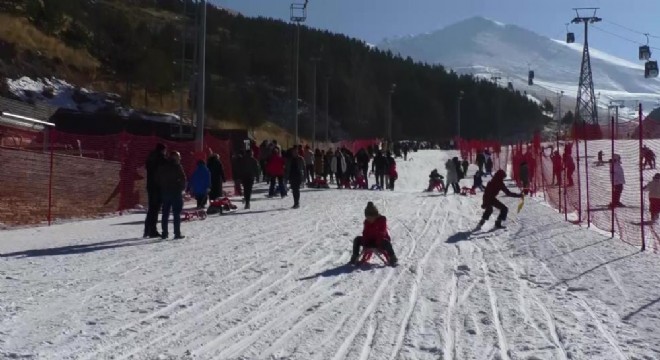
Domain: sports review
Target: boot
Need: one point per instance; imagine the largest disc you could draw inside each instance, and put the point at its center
(498, 224)
(480, 224)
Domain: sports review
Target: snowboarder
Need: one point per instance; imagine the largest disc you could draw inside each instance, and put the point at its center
(155, 160)
(172, 180)
(374, 235)
(200, 184)
(490, 201)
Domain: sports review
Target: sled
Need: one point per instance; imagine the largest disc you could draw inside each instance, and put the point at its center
(193, 214)
(318, 183)
(465, 191)
(437, 186)
(368, 253)
(376, 187)
(359, 184)
(220, 205)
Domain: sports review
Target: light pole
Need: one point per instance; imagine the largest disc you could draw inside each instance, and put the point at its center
(314, 61)
(616, 104)
(327, 110)
(201, 78)
(458, 113)
(389, 118)
(560, 94)
(298, 15)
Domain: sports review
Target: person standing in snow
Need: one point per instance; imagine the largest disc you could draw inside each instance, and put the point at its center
(477, 181)
(490, 201)
(154, 161)
(217, 176)
(374, 235)
(338, 167)
(653, 187)
(327, 166)
(200, 183)
(172, 181)
(319, 164)
(378, 166)
(481, 161)
(362, 158)
(309, 164)
(275, 171)
(392, 174)
(452, 177)
(248, 171)
(489, 164)
(524, 176)
(464, 167)
(618, 180)
(296, 175)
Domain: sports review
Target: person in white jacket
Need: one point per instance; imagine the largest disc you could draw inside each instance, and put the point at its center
(618, 180)
(452, 177)
(653, 187)
(338, 167)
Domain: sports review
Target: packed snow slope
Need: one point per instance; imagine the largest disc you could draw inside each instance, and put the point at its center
(271, 283)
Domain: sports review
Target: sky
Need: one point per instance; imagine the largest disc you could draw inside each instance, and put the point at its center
(375, 20)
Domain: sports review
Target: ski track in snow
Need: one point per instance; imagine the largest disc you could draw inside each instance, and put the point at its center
(271, 283)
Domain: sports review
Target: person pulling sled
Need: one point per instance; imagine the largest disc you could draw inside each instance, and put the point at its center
(374, 236)
(490, 201)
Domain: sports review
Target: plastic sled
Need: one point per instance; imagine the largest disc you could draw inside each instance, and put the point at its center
(437, 186)
(220, 205)
(376, 187)
(465, 191)
(318, 183)
(368, 253)
(360, 184)
(193, 214)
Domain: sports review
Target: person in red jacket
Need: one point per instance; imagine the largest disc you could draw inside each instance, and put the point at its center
(490, 201)
(275, 170)
(374, 235)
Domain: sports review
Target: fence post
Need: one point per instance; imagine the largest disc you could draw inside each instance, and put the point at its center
(611, 174)
(586, 175)
(641, 176)
(576, 142)
(559, 176)
(50, 180)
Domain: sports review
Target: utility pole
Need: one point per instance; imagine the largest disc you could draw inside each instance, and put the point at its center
(616, 104)
(201, 79)
(585, 109)
(560, 94)
(327, 110)
(389, 117)
(298, 15)
(314, 61)
(499, 107)
(458, 113)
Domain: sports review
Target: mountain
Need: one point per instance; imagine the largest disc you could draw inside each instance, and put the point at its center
(486, 48)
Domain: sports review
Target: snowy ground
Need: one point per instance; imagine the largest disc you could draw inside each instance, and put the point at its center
(271, 283)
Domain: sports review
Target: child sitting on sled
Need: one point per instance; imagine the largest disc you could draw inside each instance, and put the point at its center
(374, 235)
(360, 181)
(435, 180)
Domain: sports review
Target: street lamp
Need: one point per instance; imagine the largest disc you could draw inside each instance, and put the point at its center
(314, 61)
(298, 15)
(458, 114)
(616, 104)
(389, 117)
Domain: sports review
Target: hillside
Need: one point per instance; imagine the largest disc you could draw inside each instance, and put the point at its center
(133, 48)
(485, 48)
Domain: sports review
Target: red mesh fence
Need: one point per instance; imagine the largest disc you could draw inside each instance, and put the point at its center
(82, 175)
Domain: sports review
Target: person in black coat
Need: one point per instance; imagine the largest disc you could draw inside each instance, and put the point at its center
(465, 164)
(379, 167)
(362, 158)
(217, 176)
(155, 159)
(247, 171)
(295, 174)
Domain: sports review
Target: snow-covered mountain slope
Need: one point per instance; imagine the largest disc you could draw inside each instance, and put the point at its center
(487, 48)
(271, 283)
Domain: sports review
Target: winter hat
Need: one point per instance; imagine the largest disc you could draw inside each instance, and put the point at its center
(656, 176)
(371, 210)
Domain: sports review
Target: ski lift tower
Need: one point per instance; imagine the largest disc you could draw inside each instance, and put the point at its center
(298, 15)
(585, 110)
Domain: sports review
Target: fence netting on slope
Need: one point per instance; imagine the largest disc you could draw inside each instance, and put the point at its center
(597, 176)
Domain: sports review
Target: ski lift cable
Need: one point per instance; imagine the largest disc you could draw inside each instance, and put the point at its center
(632, 30)
(620, 36)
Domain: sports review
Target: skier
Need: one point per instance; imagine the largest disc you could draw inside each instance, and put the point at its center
(653, 187)
(200, 184)
(490, 201)
(374, 235)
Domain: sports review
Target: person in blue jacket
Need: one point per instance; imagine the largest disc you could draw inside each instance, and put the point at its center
(200, 184)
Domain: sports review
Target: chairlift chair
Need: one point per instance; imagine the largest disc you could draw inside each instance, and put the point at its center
(530, 78)
(651, 69)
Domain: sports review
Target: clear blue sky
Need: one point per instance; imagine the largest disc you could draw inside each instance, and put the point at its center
(374, 20)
